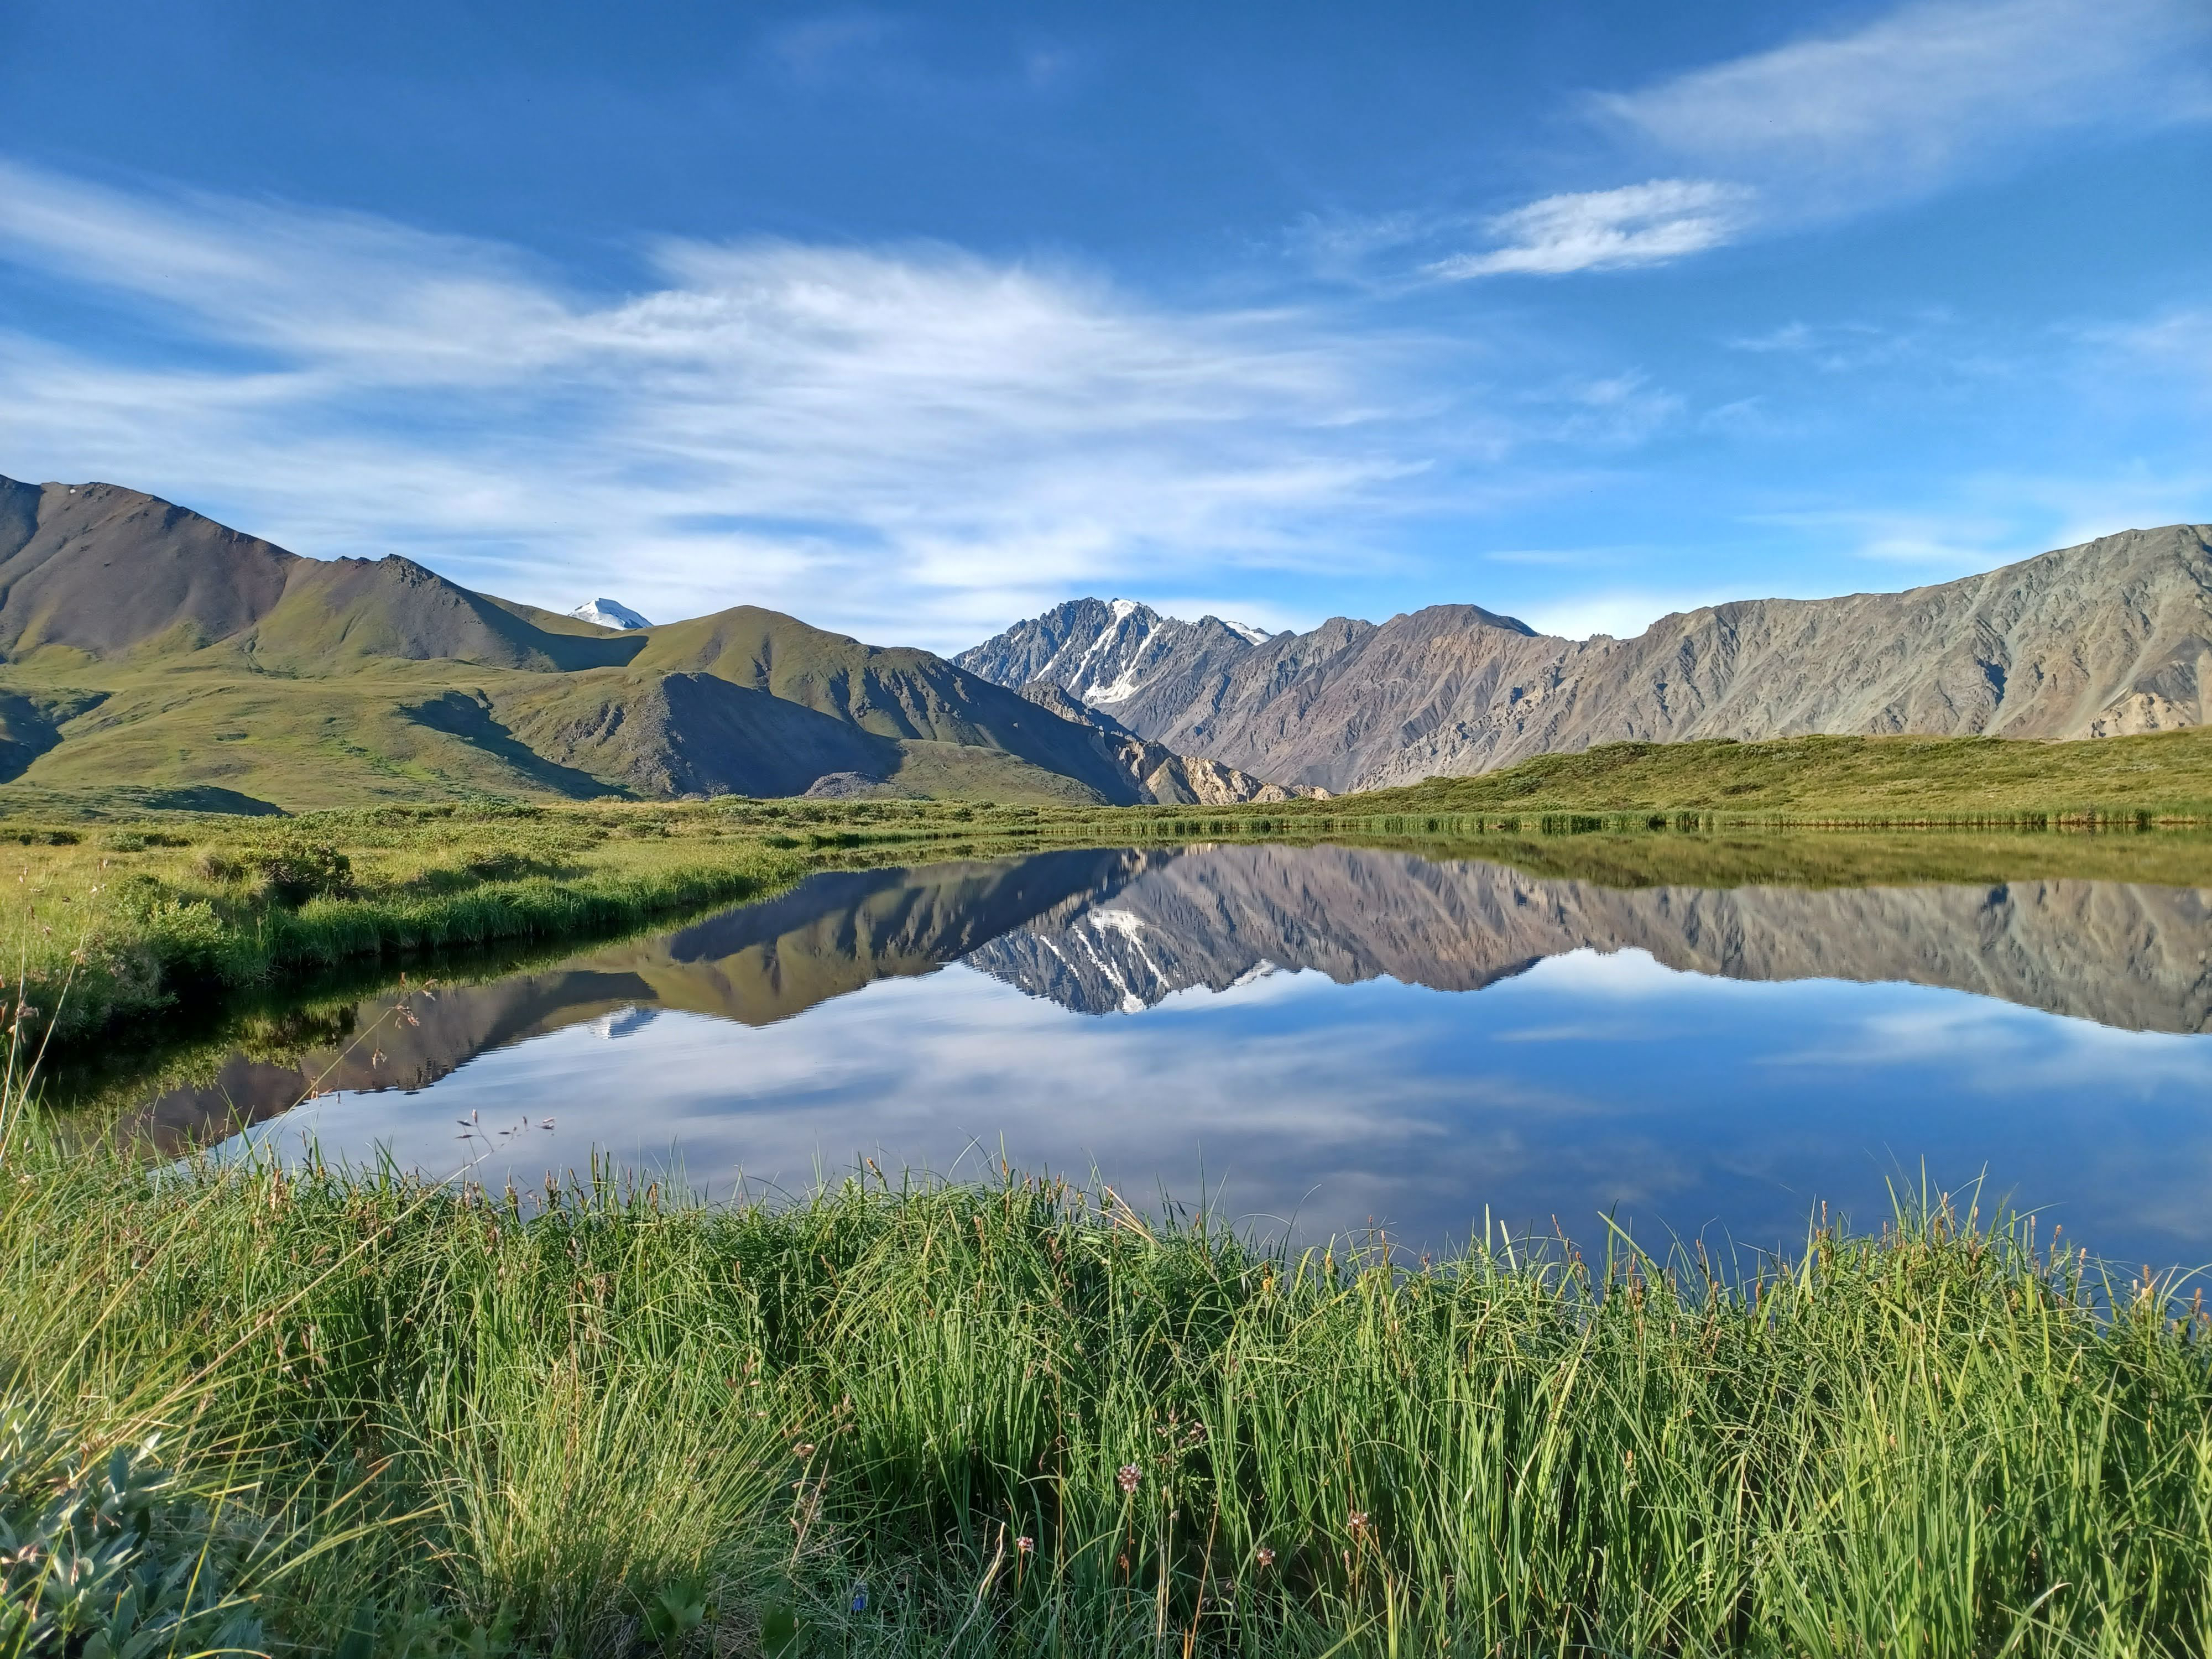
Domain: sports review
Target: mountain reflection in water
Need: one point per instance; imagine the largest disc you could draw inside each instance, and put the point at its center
(1618, 1067)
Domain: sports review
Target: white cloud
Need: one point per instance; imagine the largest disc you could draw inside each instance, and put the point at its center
(1837, 123)
(1606, 230)
(910, 443)
(1926, 93)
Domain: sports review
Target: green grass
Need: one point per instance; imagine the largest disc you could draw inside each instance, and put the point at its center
(1825, 779)
(408, 1419)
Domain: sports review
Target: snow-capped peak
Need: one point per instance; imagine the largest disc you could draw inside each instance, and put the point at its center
(609, 613)
(1257, 635)
(1121, 608)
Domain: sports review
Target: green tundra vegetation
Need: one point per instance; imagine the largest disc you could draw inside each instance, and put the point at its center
(1819, 779)
(354, 1413)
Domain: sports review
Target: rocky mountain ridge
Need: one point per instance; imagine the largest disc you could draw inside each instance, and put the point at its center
(1100, 651)
(1163, 775)
(2110, 637)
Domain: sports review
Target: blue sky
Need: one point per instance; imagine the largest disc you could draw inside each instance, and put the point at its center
(913, 321)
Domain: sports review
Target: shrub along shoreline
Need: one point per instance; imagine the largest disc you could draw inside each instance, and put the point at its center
(407, 1418)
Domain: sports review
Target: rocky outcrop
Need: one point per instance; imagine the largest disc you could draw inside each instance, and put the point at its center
(1162, 776)
(1103, 651)
(2110, 637)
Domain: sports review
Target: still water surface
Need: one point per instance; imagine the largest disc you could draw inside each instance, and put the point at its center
(1328, 1038)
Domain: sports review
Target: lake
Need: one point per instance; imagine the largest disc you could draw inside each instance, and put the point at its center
(1322, 1039)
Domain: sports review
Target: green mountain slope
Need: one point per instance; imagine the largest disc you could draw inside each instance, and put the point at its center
(345, 611)
(143, 646)
(895, 693)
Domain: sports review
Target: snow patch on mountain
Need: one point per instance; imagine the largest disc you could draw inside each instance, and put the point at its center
(1124, 688)
(609, 613)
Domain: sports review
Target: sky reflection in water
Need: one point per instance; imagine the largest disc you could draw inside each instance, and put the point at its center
(1594, 1079)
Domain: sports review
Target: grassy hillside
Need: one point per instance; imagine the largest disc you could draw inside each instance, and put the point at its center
(1870, 779)
(141, 641)
(893, 692)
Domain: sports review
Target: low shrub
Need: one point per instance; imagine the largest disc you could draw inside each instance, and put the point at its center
(105, 1557)
(297, 869)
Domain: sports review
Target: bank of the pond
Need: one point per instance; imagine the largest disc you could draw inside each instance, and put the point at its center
(398, 1418)
(117, 924)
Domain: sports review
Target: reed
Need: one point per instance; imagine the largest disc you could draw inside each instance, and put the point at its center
(399, 1416)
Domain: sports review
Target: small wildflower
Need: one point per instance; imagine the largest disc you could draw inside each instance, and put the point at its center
(804, 1449)
(1129, 1476)
(860, 1598)
(1359, 1522)
(1266, 1557)
(1025, 1543)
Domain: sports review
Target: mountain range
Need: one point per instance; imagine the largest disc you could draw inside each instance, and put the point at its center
(149, 651)
(143, 646)
(2112, 636)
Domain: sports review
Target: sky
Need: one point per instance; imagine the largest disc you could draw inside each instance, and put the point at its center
(915, 321)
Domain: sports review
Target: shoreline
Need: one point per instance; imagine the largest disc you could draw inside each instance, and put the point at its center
(151, 923)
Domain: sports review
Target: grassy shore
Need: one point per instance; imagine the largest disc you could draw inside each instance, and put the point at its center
(1844, 780)
(321, 1413)
(140, 919)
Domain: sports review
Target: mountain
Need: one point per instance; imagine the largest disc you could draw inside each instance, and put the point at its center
(2110, 637)
(609, 613)
(1157, 771)
(2125, 956)
(140, 640)
(1103, 651)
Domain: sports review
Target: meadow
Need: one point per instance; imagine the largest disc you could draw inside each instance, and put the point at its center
(322, 1411)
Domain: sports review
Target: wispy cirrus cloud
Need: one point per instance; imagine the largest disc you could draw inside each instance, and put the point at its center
(1915, 99)
(1835, 124)
(911, 442)
(1642, 224)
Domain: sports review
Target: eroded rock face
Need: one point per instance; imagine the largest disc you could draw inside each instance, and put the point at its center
(1103, 651)
(1162, 776)
(2111, 637)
